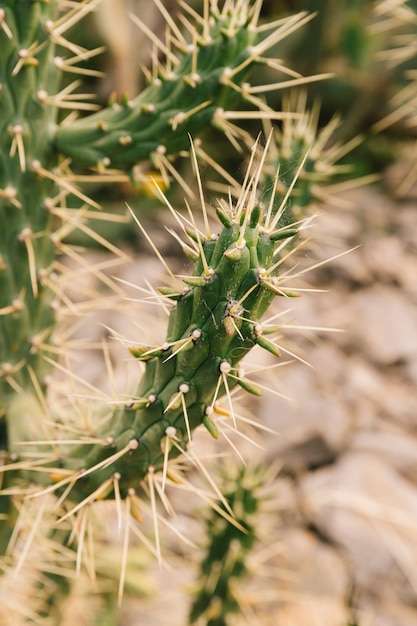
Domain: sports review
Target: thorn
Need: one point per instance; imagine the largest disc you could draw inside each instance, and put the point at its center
(287, 84)
(225, 371)
(4, 25)
(209, 423)
(208, 272)
(154, 39)
(62, 183)
(18, 145)
(92, 497)
(170, 433)
(65, 65)
(67, 21)
(151, 482)
(31, 537)
(195, 460)
(26, 236)
(9, 193)
(17, 305)
(125, 547)
(151, 243)
(200, 188)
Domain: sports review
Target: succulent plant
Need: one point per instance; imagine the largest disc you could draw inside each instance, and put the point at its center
(55, 464)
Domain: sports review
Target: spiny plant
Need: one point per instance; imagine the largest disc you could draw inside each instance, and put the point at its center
(197, 86)
(57, 463)
(400, 55)
(217, 596)
(369, 42)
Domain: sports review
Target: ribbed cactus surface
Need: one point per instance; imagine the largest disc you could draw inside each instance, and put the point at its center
(215, 319)
(219, 594)
(194, 89)
(26, 251)
(214, 323)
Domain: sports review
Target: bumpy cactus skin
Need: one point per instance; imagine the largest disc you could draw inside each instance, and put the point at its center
(184, 99)
(193, 90)
(215, 322)
(224, 566)
(26, 252)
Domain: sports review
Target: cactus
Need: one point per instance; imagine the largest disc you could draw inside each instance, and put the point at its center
(218, 596)
(215, 321)
(34, 182)
(127, 450)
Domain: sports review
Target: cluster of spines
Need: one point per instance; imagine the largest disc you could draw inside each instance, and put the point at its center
(35, 188)
(219, 597)
(214, 322)
(201, 80)
(26, 251)
(216, 319)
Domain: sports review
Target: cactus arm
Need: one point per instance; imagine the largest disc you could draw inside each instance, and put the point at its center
(196, 89)
(26, 250)
(214, 323)
(224, 566)
(207, 321)
(185, 97)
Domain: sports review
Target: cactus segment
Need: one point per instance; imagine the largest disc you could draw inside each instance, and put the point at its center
(197, 86)
(223, 569)
(201, 81)
(87, 453)
(214, 322)
(26, 250)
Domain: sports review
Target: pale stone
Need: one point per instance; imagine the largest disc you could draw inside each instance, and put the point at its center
(383, 324)
(397, 448)
(311, 610)
(305, 575)
(365, 507)
(386, 613)
(318, 569)
(315, 422)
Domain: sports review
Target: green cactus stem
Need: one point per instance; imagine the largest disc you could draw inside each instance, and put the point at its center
(202, 80)
(218, 597)
(209, 332)
(26, 252)
(214, 322)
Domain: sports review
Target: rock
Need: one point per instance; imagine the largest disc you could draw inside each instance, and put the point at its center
(317, 585)
(387, 613)
(397, 448)
(405, 217)
(384, 257)
(311, 610)
(367, 509)
(310, 453)
(382, 324)
(313, 425)
(373, 392)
